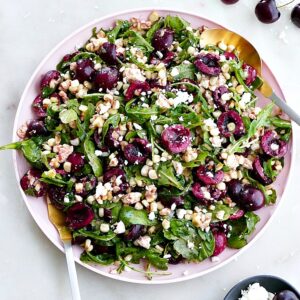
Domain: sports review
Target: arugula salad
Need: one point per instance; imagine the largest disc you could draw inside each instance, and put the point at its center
(152, 145)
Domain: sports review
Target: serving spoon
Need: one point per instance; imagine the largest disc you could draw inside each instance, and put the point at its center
(248, 54)
(57, 218)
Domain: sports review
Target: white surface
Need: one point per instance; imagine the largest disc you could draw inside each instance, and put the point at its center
(31, 267)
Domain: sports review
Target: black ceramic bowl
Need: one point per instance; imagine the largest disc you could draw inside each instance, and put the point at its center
(271, 283)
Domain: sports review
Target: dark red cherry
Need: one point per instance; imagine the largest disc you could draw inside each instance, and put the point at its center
(220, 242)
(230, 55)
(267, 12)
(286, 295)
(163, 39)
(231, 123)
(35, 128)
(176, 138)
(251, 198)
(38, 108)
(237, 215)
(79, 215)
(229, 1)
(138, 151)
(136, 88)
(113, 173)
(48, 77)
(259, 173)
(31, 184)
(217, 96)
(56, 195)
(106, 78)
(251, 73)
(272, 145)
(209, 176)
(84, 70)
(111, 139)
(295, 16)
(108, 53)
(168, 201)
(208, 64)
(133, 233)
(77, 161)
(234, 189)
(197, 191)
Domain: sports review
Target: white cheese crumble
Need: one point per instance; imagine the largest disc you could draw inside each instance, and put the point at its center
(256, 292)
(182, 97)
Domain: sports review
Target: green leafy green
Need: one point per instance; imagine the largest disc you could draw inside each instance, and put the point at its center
(185, 71)
(140, 114)
(113, 120)
(102, 259)
(157, 25)
(95, 235)
(166, 176)
(176, 23)
(131, 216)
(241, 229)
(47, 91)
(68, 115)
(138, 41)
(120, 27)
(190, 242)
(94, 161)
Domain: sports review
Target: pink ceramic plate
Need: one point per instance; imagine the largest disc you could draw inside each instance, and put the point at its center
(38, 208)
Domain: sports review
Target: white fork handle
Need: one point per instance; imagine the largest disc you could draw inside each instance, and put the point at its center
(72, 271)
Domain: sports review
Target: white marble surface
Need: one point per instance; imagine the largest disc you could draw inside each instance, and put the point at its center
(30, 266)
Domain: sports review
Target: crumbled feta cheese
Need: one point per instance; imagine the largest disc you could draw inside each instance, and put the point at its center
(182, 97)
(180, 213)
(104, 227)
(256, 292)
(133, 73)
(174, 72)
(178, 167)
(131, 198)
(143, 241)
(151, 216)
(120, 228)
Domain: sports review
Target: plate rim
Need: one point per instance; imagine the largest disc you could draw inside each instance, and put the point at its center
(59, 245)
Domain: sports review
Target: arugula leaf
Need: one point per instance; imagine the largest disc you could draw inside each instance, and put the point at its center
(155, 260)
(102, 259)
(268, 168)
(47, 91)
(157, 25)
(137, 40)
(176, 23)
(68, 115)
(113, 120)
(200, 160)
(95, 235)
(86, 55)
(185, 71)
(132, 216)
(134, 171)
(121, 26)
(32, 152)
(140, 114)
(228, 211)
(261, 121)
(280, 123)
(94, 161)
(184, 233)
(241, 229)
(167, 177)
(57, 180)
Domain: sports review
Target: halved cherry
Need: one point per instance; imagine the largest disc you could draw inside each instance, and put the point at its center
(176, 138)
(231, 123)
(259, 173)
(136, 88)
(272, 145)
(208, 64)
(79, 215)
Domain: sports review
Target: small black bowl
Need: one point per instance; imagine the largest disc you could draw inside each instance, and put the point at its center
(271, 283)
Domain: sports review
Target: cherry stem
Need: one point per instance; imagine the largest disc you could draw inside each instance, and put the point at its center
(283, 5)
